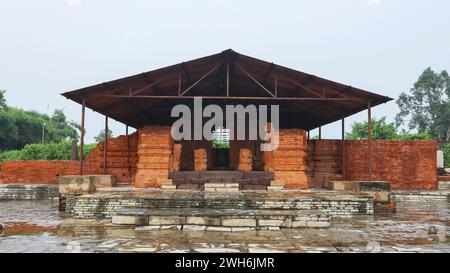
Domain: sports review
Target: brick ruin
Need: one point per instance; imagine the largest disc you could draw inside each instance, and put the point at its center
(142, 158)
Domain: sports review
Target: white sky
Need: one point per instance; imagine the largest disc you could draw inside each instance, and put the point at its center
(48, 47)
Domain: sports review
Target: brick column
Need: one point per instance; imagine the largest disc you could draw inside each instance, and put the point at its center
(289, 160)
(154, 150)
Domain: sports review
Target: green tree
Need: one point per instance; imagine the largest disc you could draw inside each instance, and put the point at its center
(101, 136)
(446, 151)
(427, 107)
(2, 100)
(380, 130)
(19, 127)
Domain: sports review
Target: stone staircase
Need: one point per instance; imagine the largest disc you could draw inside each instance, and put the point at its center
(221, 219)
(222, 180)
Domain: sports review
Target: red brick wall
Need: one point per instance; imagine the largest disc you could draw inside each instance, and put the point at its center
(37, 171)
(324, 162)
(120, 163)
(153, 157)
(406, 165)
(289, 160)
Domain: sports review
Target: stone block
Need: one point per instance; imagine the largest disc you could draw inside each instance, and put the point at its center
(440, 159)
(76, 184)
(379, 195)
(170, 227)
(138, 220)
(227, 189)
(385, 207)
(298, 224)
(371, 186)
(275, 188)
(194, 228)
(317, 224)
(168, 187)
(202, 220)
(147, 228)
(219, 229)
(242, 229)
(231, 185)
(164, 181)
(104, 181)
(270, 223)
(214, 185)
(444, 185)
(239, 222)
(277, 183)
(340, 185)
(166, 220)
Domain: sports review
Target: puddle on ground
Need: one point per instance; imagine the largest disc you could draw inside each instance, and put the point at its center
(37, 226)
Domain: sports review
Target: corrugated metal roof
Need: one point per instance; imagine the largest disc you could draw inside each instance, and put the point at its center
(306, 101)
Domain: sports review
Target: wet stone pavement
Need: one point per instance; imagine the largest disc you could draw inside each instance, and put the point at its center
(37, 226)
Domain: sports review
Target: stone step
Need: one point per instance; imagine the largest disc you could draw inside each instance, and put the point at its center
(275, 188)
(221, 185)
(228, 218)
(444, 185)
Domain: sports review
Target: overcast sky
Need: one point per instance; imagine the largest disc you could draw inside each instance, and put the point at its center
(48, 47)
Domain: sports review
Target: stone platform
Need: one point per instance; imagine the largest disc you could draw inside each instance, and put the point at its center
(242, 209)
(252, 180)
(28, 191)
(420, 196)
(229, 219)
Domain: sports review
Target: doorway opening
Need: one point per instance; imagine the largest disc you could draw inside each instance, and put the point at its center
(221, 148)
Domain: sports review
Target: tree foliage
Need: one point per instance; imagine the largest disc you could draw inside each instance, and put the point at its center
(2, 100)
(446, 151)
(427, 107)
(101, 136)
(383, 130)
(50, 151)
(220, 144)
(380, 130)
(20, 127)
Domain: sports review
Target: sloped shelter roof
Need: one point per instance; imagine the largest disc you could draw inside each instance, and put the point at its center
(306, 101)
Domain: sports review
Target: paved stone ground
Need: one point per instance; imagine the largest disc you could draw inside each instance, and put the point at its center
(36, 226)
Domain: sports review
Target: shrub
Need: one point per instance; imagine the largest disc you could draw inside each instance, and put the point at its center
(51, 151)
(447, 155)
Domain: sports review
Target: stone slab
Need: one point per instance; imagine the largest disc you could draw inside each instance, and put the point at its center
(129, 220)
(168, 187)
(104, 181)
(440, 159)
(275, 188)
(239, 222)
(164, 181)
(76, 184)
(275, 183)
(444, 185)
(166, 220)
